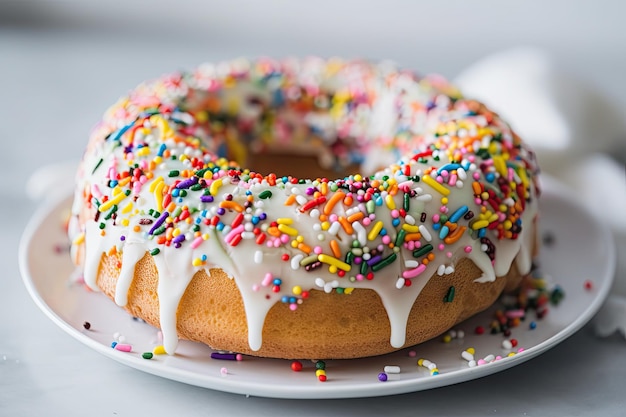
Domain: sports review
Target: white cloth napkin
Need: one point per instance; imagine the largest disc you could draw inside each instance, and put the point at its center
(574, 129)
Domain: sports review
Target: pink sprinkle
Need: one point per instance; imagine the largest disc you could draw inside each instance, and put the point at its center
(441, 246)
(498, 357)
(267, 280)
(412, 273)
(412, 353)
(467, 249)
(293, 307)
(255, 287)
(476, 176)
(449, 254)
(395, 213)
(520, 350)
(436, 218)
(196, 242)
(318, 250)
(223, 371)
(439, 179)
(452, 180)
(284, 238)
(443, 209)
(481, 362)
(123, 347)
(478, 201)
(386, 239)
(359, 277)
(332, 218)
(366, 221)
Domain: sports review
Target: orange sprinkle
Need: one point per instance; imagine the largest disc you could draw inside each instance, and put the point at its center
(347, 227)
(161, 240)
(455, 235)
(232, 205)
(334, 247)
(136, 228)
(347, 201)
(273, 231)
(305, 248)
(332, 202)
(412, 236)
(431, 256)
(171, 207)
(356, 217)
(478, 189)
(290, 200)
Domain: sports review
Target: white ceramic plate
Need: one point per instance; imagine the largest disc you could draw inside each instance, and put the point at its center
(582, 250)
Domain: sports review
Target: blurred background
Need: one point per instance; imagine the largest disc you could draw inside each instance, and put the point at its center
(62, 63)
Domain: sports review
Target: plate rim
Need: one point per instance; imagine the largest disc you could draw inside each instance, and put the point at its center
(550, 187)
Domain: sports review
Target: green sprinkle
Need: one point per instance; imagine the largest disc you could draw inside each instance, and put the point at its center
(364, 268)
(449, 296)
(407, 202)
(423, 250)
(147, 355)
(265, 194)
(159, 230)
(308, 260)
(370, 206)
(196, 187)
(155, 251)
(200, 173)
(339, 290)
(174, 173)
(320, 365)
(101, 226)
(385, 262)
(111, 212)
(400, 237)
(97, 165)
(349, 258)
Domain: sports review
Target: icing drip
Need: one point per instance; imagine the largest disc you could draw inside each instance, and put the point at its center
(153, 181)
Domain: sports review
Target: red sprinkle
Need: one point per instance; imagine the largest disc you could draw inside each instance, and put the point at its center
(479, 330)
(588, 285)
(296, 366)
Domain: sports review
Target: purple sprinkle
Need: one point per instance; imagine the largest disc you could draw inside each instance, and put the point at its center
(374, 260)
(206, 198)
(187, 183)
(159, 221)
(263, 216)
(382, 377)
(122, 238)
(224, 356)
(221, 211)
(178, 239)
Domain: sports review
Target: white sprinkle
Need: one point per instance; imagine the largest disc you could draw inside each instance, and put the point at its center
(295, 261)
(315, 213)
(432, 366)
(320, 282)
(441, 269)
(411, 264)
(409, 219)
(506, 344)
(467, 356)
(471, 363)
(334, 228)
(449, 270)
(461, 173)
(460, 334)
(425, 197)
(328, 288)
(248, 235)
(400, 283)
(489, 358)
(459, 184)
(425, 233)
(391, 369)
(302, 200)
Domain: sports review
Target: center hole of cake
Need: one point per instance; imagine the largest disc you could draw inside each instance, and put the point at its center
(300, 166)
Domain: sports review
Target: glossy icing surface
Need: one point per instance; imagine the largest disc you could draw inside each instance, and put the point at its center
(156, 178)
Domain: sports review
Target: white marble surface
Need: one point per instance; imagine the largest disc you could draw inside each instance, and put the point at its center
(61, 65)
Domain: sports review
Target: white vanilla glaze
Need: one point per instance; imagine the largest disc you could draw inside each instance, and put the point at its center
(248, 263)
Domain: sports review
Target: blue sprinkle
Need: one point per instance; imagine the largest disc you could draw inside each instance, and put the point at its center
(277, 281)
(255, 220)
(284, 299)
(220, 226)
(383, 231)
(482, 232)
(113, 344)
(203, 257)
(395, 222)
(490, 177)
(175, 192)
(436, 226)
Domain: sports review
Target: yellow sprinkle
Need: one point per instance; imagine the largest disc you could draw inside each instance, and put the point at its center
(287, 229)
(127, 208)
(176, 232)
(410, 228)
(492, 218)
(125, 222)
(327, 259)
(159, 350)
(215, 185)
(435, 185)
(470, 350)
(145, 151)
(105, 206)
(79, 239)
(154, 183)
(157, 159)
(297, 290)
(158, 195)
(480, 224)
(390, 203)
(500, 165)
(197, 262)
(348, 290)
(325, 225)
(420, 362)
(117, 190)
(447, 338)
(320, 372)
(284, 220)
(123, 181)
(378, 226)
